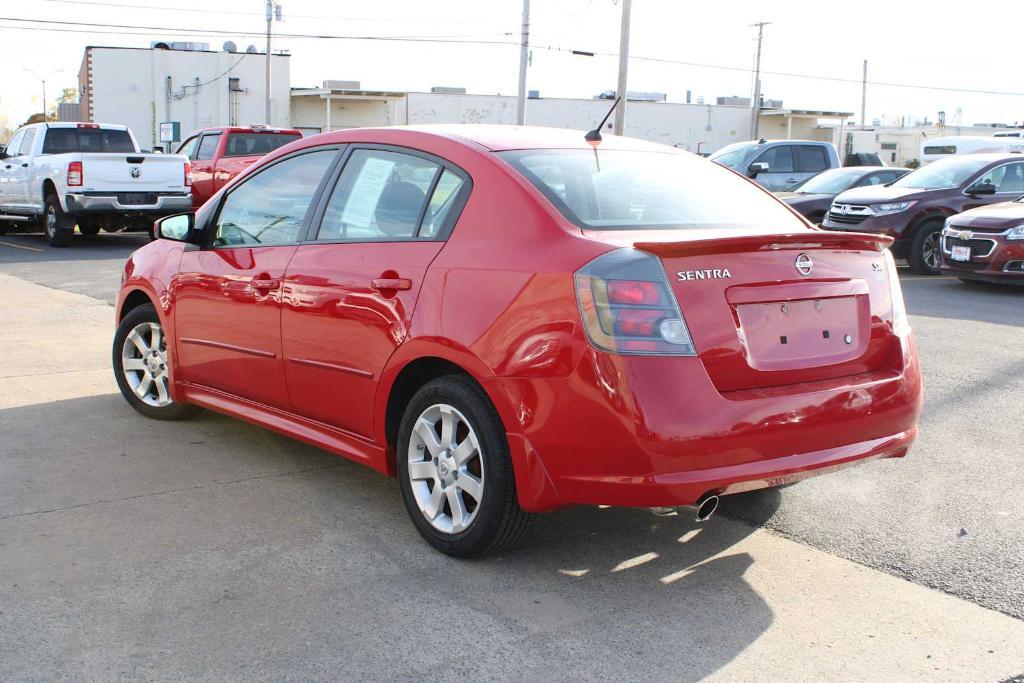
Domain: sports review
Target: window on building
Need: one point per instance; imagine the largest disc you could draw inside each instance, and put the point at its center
(270, 207)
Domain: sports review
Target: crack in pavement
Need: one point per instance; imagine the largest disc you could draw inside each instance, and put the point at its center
(161, 493)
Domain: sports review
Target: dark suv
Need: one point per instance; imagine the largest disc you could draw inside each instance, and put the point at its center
(914, 208)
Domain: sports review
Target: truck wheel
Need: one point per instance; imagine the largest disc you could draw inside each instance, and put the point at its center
(58, 225)
(3, 229)
(89, 230)
(924, 257)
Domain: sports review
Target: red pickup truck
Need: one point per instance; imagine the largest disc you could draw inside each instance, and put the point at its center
(219, 154)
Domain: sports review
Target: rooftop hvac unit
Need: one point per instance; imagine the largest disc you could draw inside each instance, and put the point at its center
(341, 85)
(179, 45)
(443, 90)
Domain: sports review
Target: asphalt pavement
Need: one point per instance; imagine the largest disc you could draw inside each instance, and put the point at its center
(138, 549)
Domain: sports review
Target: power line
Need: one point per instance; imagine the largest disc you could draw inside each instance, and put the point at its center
(462, 40)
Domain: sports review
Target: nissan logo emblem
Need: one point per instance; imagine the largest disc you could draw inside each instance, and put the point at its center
(804, 264)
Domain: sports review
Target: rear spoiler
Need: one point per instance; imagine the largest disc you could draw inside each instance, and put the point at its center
(800, 241)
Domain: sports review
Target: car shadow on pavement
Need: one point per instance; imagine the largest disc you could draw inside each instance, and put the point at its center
(946, 297)
(214, 549)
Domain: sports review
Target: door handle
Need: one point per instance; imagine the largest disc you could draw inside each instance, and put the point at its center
(25, 165)
(263, 285)
(7, 166)
(391, 284)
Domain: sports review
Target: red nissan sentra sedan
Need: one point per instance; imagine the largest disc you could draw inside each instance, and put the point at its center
(511, 320)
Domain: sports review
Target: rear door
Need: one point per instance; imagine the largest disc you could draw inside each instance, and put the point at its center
(203, 183)
(228, 296)
(351, 289)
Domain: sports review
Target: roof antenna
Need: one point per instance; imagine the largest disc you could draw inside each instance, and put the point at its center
(594, 138)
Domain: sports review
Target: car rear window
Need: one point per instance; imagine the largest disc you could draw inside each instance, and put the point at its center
(257, 144)
(617, 190)
(67, 140)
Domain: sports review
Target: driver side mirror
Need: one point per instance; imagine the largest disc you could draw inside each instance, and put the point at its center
(982, 188)
(178, 227)
(757, 167)
(3, 152)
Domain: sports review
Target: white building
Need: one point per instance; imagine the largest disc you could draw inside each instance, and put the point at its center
(185, 82)
(694, 127)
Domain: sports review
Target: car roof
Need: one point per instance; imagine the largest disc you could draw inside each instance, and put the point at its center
(497, 138)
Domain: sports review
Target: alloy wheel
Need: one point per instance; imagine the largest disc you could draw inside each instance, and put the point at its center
(446, 470)
(930, 251)
(144, 364)
(51, 221)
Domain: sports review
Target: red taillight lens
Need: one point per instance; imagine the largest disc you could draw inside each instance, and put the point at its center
(75, 175)
(627, 306)
(188, 173)
(634, 292)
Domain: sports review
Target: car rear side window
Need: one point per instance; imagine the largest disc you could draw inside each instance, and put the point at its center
(68, 140)
(618, 189)
(779, 159)
(381, 196)
(270, 207)
(257, 144)
(208, 147)
(811, 158)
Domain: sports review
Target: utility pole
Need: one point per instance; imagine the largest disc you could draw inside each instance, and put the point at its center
(524, 50)
(273, 14)
(755, 104)
(620, 90)
(43, 81)
(864, 96)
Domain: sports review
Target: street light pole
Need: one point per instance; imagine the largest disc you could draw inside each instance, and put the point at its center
(43, 81)
(273, 14)
(620, 90)
(524, 50)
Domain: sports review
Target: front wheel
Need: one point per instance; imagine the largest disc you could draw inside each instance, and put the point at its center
(58, 225)
(455, 470)
(141, 366)
(925, 257)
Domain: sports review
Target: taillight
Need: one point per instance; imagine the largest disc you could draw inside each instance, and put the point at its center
(188, 173)
(627, 306)
(900, 324)
(75, 174)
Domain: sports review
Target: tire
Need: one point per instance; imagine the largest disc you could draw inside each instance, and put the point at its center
(924, 257)
(4, 228)
(151, 398)
(58, 225)
(89, 230)
(491, 520)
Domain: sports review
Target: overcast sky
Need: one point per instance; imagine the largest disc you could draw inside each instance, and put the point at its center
(906, 43)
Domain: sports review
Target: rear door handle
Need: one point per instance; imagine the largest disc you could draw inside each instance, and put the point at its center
(391, 284)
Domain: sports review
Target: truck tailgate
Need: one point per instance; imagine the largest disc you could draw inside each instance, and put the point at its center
(133, 172)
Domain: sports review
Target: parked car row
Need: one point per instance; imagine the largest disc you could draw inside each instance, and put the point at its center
(59, 175)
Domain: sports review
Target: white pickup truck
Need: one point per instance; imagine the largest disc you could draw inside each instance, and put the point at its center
(89, 174)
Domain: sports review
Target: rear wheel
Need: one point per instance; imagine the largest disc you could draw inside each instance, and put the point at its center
(89, 229)
(141, 366)
(58, 225)
(455, 470)
(924, 257)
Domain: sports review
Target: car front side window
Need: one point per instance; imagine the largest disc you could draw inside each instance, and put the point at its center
(270, 207)
(779, 159)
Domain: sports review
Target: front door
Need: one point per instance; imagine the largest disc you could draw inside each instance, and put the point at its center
(781, 173)
(351, 290)
(228, 296)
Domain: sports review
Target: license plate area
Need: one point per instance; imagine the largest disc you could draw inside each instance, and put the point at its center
(787, 335)
(960, 253)
(136, 198)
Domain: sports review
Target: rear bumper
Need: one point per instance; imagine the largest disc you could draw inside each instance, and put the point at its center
(165, 204)
(648, 431)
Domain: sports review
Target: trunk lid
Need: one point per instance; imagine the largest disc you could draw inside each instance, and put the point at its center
(117, 172)
(771, 310)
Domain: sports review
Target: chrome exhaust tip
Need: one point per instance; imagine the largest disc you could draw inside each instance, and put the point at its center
(706, 507)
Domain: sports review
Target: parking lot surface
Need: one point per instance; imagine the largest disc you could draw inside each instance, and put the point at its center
(213, 549)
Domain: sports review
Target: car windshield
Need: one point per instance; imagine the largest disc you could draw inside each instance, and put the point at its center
(829, 182)
(731, 156)
(942, 174)
(648, 190)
